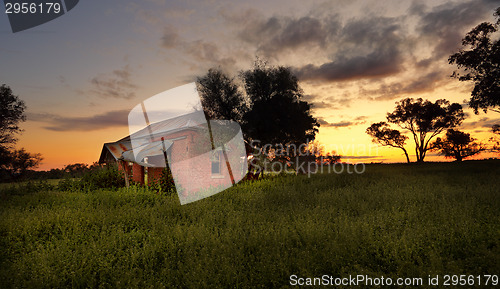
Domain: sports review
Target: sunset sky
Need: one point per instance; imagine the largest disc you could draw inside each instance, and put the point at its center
(82, 73)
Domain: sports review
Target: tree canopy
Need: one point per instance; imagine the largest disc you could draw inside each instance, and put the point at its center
(13, 162)
(384, 135)
(458, 145)
(270, 109)
(480, 61)
(277, 113)
(425, 120)
(12, 113)
(422, 118)
(220, 96)
(21, 160)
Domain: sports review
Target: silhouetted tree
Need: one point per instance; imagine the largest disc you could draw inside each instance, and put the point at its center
(384, 135)
(11, 113)
(458, 145)
(276, 114)
(13, 162)
(496, 139)
(4, 157)
(496, 128)
(481, 64)
(76, 169)
(317, 153)
(425, 120)
(220, 96)
(20, 161)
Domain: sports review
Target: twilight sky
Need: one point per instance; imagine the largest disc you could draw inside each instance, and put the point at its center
(81, 73)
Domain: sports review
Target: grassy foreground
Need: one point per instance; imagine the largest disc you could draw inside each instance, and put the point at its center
(392, 221)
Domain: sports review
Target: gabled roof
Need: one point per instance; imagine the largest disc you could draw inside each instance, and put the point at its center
(114, 150)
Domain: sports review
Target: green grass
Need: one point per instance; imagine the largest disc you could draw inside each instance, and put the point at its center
(52, 182)
(392, 221)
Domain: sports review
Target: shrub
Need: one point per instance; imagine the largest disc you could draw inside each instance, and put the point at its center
(165, 185)
(104, 177)
(27, 188)
(108, 177)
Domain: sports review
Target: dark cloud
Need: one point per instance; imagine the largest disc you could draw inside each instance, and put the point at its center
(339, 103)
(170, 38)
(376, 32)
(321, 104)
(364, 48)
(198, 51)
(361, 157)
(260, 30)
(207, 54)
(447, 24)
(426, 83)
(339, 124)
(240, 17)
(273, 35)
(368, 48)
(361, 118)
(331, 103)
(376, 64)
(300, 31)
(323, 122)
(344, 123)
(117, 118)
(484, 122)
(295, 33)
(117, 84)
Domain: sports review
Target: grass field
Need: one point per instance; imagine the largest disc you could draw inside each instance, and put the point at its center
(392, 221)
(9, 185)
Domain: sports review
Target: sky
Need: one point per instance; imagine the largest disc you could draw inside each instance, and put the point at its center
(82, 73)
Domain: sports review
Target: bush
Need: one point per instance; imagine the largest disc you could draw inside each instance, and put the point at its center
(69, 184)
(104, 177)
(108, 177)
(27, 188)
(165, 185)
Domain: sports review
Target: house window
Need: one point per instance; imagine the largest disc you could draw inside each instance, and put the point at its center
(216, 162)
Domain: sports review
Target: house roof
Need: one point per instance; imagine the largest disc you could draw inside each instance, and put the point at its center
(115, 150)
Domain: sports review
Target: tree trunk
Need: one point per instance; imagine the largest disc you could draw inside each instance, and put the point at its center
(420, 155)
(406, 154)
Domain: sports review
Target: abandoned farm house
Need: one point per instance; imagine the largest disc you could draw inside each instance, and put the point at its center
(200, 154)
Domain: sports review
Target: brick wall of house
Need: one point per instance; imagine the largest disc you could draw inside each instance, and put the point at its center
(154, 175)
(192, 164)
(124, 166)
(138, 173)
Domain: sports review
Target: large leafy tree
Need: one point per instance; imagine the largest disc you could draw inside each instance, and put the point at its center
(458, 145)
(11, 114)
(13, 162)
(220, 96)
(277, 114)
(385, 136)
(480, 61)
(425, 120)
(21, 161)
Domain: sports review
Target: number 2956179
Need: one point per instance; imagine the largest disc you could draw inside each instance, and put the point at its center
(33, 8)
